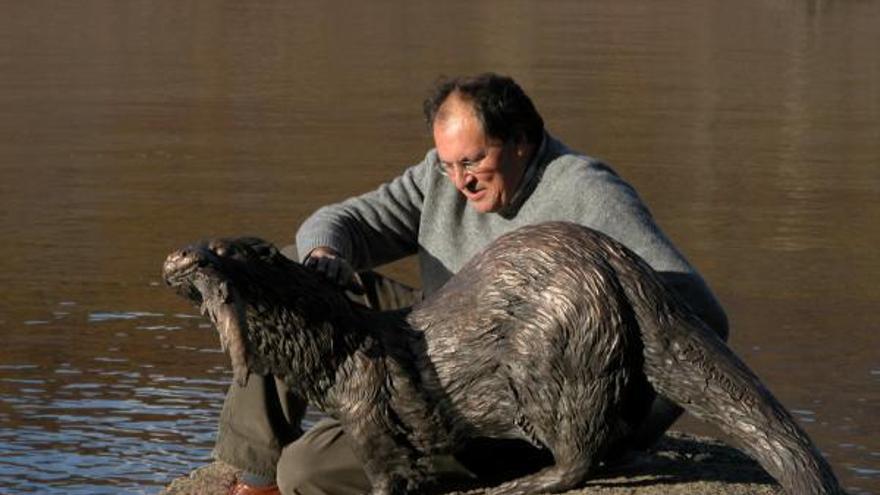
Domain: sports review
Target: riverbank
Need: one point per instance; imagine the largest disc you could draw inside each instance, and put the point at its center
(681, 464)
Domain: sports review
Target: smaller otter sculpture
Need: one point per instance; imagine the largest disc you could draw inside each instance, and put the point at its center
(555, 334)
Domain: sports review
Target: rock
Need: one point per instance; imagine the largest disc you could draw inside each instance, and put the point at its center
(213, 479)
(680, 464)
(684, 464)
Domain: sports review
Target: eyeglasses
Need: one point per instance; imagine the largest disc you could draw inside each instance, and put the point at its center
(469, 165)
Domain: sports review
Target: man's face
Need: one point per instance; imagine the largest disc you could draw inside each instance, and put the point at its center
(486, 171)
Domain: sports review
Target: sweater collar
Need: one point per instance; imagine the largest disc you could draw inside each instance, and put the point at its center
(531, 177)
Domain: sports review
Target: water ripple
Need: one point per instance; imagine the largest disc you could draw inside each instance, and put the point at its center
(119, 315)
(122, 434)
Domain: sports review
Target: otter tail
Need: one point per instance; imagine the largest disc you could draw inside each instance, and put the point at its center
(686, 362)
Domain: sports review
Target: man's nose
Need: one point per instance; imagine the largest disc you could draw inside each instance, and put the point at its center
(459, 176)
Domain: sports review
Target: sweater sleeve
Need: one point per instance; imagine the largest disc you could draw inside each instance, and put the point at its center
(371, 229)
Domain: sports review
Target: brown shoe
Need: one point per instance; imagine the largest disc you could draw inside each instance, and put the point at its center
(242, 488)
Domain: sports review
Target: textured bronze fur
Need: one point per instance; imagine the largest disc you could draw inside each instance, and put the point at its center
(555, 334)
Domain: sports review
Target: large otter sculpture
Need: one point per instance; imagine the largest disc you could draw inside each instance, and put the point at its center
(555, 334)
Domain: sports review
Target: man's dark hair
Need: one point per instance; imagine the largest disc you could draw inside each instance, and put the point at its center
(503, 108)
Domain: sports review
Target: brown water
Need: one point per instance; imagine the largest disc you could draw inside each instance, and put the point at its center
(130, 128)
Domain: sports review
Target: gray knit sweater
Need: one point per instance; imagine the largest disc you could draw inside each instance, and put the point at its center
(421, 212)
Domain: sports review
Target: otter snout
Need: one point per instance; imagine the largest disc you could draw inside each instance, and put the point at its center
(182, 263)
(173, 264)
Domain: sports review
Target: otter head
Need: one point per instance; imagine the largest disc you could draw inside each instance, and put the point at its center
(208, 275)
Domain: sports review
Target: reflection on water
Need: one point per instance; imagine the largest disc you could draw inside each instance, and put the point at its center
(110, 423)
(132, 128)
(107, 423)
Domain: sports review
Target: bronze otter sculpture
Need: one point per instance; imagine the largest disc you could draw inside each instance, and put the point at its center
(555, 334)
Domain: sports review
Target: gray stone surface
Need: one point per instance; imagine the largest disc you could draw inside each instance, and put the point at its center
(680, 464)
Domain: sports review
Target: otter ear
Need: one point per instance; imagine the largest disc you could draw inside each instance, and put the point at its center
(261, 248)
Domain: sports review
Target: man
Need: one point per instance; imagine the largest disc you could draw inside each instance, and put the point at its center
(494, 169)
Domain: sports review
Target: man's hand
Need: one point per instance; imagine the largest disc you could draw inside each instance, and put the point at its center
(329, 263)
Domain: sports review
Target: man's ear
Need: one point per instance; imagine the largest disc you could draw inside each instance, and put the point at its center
(521, 138)
(520, 142)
